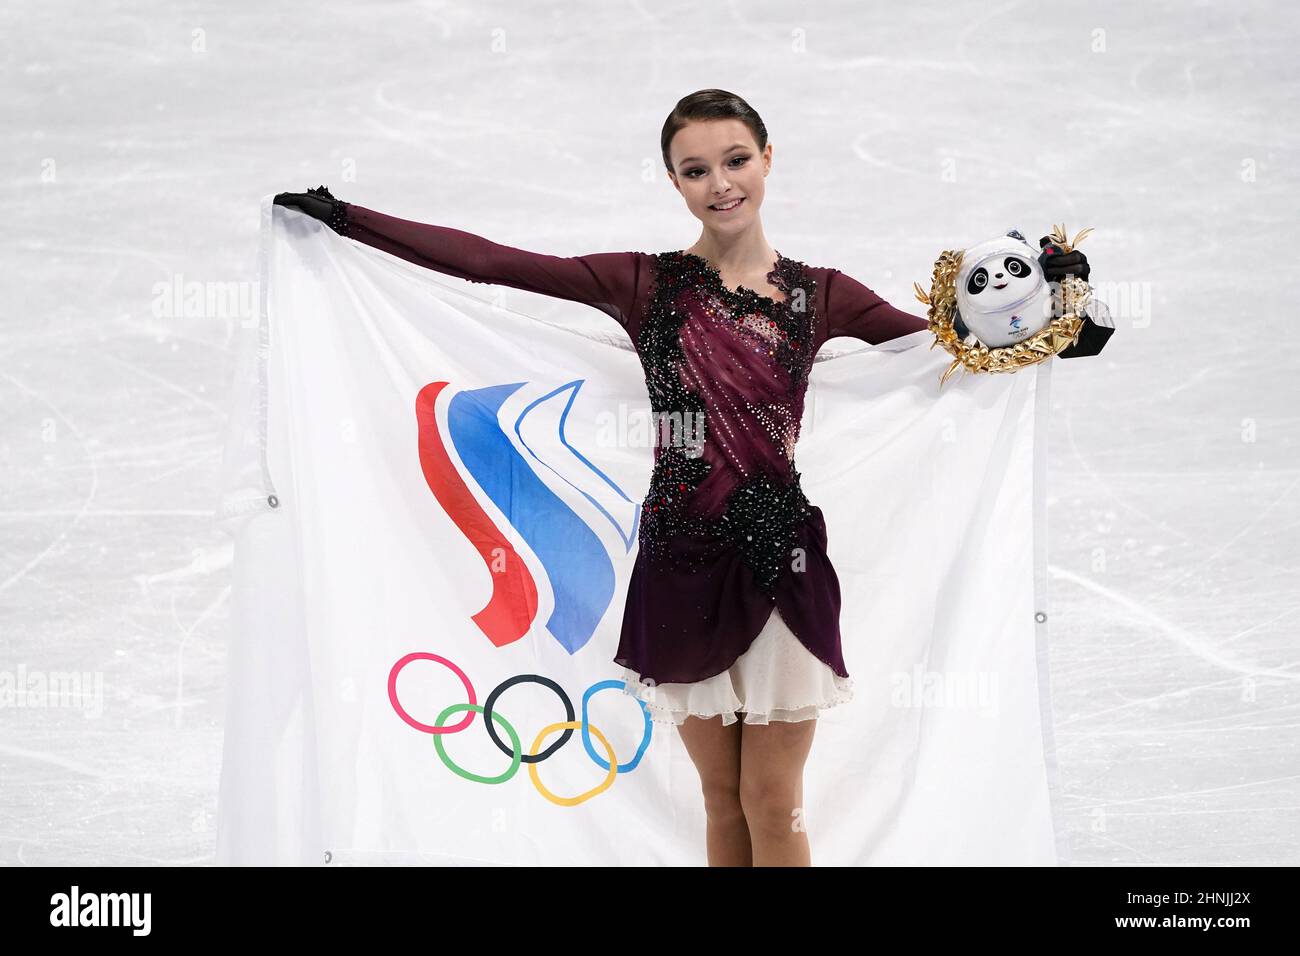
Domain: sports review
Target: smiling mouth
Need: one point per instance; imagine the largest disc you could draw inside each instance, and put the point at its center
(729, 207)
(1002, 286)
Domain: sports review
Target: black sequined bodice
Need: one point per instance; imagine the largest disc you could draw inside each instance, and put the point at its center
(726, 371)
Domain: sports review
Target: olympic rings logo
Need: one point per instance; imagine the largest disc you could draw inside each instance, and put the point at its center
(514, 751)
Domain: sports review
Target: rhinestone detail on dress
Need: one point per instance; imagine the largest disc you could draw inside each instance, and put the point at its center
(740, 361)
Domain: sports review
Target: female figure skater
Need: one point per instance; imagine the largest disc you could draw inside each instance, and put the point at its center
(733, 606)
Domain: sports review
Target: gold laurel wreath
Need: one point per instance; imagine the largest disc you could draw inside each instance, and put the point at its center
(1059, 334)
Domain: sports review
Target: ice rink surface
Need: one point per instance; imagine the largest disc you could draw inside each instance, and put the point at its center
(140, 138)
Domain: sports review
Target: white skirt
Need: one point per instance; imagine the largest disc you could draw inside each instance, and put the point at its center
(777, 678)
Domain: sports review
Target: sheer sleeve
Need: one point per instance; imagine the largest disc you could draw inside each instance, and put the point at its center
(607, 281)
(854, 310)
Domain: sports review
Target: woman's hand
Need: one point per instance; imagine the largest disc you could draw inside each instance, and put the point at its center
(1057, 264)
(317, 203)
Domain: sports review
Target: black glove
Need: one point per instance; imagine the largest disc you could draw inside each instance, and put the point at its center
(319, 204)
(1057, 264)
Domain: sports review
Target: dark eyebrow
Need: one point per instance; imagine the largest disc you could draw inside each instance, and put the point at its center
(696, 159)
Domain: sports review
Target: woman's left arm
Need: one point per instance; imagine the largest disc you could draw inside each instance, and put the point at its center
(854, 310)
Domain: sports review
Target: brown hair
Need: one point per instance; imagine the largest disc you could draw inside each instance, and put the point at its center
(710, 105)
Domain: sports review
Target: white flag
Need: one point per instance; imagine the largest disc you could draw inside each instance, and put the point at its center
(434, 501)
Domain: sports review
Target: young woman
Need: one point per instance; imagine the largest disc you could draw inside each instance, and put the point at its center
(731, 626)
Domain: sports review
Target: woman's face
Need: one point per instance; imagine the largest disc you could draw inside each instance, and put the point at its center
(717, 162)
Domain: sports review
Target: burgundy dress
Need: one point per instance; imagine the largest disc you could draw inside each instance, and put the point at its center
(726, 533)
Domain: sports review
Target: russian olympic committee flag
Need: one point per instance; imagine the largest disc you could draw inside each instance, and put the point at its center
(433, 488)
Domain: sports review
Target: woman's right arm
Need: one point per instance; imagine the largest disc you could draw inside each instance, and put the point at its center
(607, 281)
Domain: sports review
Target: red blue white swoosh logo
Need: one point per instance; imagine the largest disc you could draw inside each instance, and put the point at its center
(571, 554)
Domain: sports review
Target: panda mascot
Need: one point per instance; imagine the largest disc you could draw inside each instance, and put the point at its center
(1007, 293)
